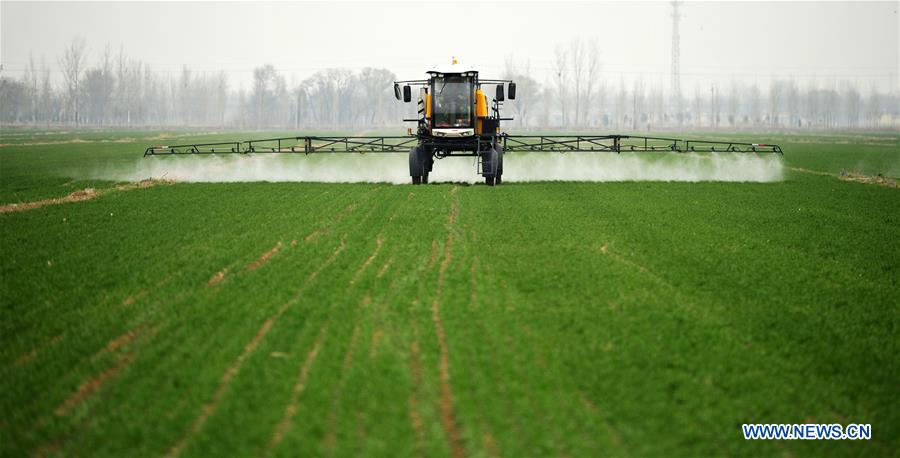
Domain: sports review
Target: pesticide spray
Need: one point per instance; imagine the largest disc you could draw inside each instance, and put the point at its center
(393, 168)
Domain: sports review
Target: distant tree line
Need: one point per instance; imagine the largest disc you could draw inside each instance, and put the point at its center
(577, 95)
(118, 91)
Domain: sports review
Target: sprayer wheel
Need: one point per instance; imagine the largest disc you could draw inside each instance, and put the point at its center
(489, 181)
(497, 179)
(417, 180)
(425, 178)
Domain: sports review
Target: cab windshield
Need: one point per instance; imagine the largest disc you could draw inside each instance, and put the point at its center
(452, 102)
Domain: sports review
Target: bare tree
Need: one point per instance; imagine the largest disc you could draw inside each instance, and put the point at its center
(376, 93)
(873, 109)
(576, 57)
(221, 98)
(560, 62)
(30, 79)
(72, 63)
(592, 73)
(754, 102)
(714, 106)
(98, 88)
(620, 106)
(734, 102)
(793, 104)
(546, 99)
(853, 104)
(264, 86)
(776, 95)
(46, 98)
(527, 90)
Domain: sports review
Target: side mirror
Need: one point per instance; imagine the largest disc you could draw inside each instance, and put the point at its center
(512, 91)
(407, 94)
(397, 91)
(499, 97)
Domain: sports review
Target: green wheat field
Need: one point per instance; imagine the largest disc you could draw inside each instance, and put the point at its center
(165, 318)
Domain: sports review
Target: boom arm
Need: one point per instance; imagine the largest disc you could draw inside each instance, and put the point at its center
(510, 143)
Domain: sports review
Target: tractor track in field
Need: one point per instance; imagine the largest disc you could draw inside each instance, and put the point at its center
(415, 369)
(315, 234)
(605, 251)
(487, 436)
(379, 240)
(384, 267)
(90, 386)
(586, 403)
(263, 258)
(29, 356)
(93, 386)
(330, 438)
(473, 278)
(79, 196)
(446, 408)
(299, 387)
(614, 435)
(225, 381)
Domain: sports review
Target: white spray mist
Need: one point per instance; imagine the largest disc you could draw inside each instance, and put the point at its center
(393, 168)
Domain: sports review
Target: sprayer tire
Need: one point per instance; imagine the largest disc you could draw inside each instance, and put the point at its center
(425, 178)
(498, 179)
(489, 180)
(417, 180)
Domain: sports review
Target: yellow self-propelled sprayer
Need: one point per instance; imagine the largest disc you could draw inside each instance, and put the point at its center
(454, 118)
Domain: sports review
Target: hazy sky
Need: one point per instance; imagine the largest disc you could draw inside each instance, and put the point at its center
(750, 41)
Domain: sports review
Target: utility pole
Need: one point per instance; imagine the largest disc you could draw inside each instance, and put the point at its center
(676, 66)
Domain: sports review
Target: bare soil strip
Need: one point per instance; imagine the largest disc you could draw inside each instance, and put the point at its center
(814, 172)
(373, 347)
(614, 435)
(378, 242)
(415, 368)
(78, 196)
(384, 268)
(120, 341)
(337, 218)
(604, 250)
(263, 258)
(857, 177)
(217, 277)
(432, 258)
(26, 358)
(134, 298)
(89, 387)
(448, 416)
(312, 235)
(490, 444)
(879, 180)
(312, 275)
(210, 407)
(291, 410)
